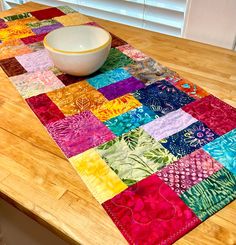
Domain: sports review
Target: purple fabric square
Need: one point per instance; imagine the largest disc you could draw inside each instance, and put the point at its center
(46, 29)
(78, 133)
(120, 88)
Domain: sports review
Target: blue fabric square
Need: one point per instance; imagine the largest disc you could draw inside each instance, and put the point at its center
(162, 97)
(188, 140)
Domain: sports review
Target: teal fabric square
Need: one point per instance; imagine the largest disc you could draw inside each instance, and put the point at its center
(108, 78)
(130, 120)
(223, 149)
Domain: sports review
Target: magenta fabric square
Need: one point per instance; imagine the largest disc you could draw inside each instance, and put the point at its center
(150, 212)
(217, 115)
(46, 29)
(169, 124)
(120, 88)
(35, 61)
(2, 24)
(189, 170)
(45, 109)
(78, 133)
(33, 39)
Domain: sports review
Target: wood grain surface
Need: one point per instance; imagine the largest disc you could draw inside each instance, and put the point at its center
(37, 179)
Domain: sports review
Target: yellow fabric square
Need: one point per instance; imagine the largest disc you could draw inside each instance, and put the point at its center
(72, 19)
(97, 175)
(15, 31)
(116, 107)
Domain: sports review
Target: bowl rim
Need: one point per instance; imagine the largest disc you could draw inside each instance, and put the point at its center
(46, 44)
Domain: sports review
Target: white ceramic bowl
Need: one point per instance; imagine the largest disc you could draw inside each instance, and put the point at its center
(78, 50)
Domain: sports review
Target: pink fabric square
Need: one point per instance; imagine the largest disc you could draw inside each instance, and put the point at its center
(45, 109)
(169, 124)
(35, 61)
(216, 114)
(78, 133)
(189, 170)
(150, 212)
(39, 82)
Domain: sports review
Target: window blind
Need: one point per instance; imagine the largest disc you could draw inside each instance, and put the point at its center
(165, 16)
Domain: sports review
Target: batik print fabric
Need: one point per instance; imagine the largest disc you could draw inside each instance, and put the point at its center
(135, 155)
(149, 212)
(157, 151)
(223, 150)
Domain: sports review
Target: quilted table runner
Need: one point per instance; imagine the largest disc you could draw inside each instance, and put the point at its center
(157, 151)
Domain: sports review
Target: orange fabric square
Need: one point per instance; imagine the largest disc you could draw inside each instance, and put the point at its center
(191, 89)
(76, 98)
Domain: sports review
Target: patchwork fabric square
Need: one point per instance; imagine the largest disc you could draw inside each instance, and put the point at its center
(46, 28)
(149, 71)
(216, 114)
(223, 149)
(21, 23)
(47, 13)
(17, 16)
(12, 67)
(36, 46)
(130, 120)
(77, 98)
(31, 84)
(120, 88)
(45, 109)
(115, 60)
(133, 53)
(12, 48)
(149, 212)
(15, 32)
(134, 156)
(66, 9)
(3, 24)
(169, 124)
(212, 194)
(100, 179)
(33, 39)
(42, 23)
(162, 97)
(78, 133)
(35, 61)
(69, 79)
(191, 89)
(116, 107)
(188, 140)
(72, 19)
(108, 78)
(189, 170)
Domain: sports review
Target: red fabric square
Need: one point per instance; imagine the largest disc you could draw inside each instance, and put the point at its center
(44, 109)
(216, 114)
(33, 39)
(150, 212)
(12, 67)
(47, 13)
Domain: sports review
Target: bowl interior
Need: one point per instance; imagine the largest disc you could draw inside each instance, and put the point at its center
(77, 38)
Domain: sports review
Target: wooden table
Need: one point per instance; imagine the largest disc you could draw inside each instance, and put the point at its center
(37, 179)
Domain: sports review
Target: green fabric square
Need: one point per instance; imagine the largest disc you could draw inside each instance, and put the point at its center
(135, 155)
(115, 60)
(211, 194)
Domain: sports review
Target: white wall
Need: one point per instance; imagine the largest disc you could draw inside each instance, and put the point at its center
(18, 229)
(211, 21)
